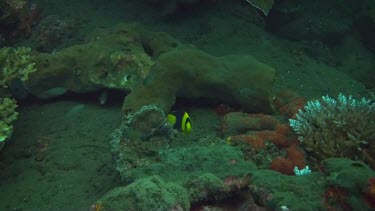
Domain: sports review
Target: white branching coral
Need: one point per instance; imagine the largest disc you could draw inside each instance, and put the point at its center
(342, 127)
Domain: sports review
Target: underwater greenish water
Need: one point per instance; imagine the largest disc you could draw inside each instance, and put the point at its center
(86, 88)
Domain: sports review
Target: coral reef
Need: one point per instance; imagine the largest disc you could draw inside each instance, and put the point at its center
(288, 103)
(235, 123)
(8, 115)
(295, 157)
(258, 139)
(265, 140)
(343, 183)
(272, 189)
(15, 63)
(344, 179)
(342, 127)
(206, 186)
(156, 71)
(189, 162)
(149, 193)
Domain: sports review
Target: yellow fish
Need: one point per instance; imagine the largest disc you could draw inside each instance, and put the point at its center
(180, 121)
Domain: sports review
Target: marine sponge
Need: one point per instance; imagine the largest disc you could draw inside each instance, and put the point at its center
(342, 127)
(7, 115)
(15, 63)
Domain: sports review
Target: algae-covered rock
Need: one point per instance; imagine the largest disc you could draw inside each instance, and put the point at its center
(203, 171)
(349, 184)
(342, 185)
(207, 187)
(349, 174)
(272, 190)
(128, 57)
(119, 59)
(191, 73)
(149, 193)
(145, 123)
(186, 163)
(15, 63)
(200, 169)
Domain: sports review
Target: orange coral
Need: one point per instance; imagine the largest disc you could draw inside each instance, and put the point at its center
(256, 142)
(273, 136)
(282, 129)
(265, 121)
(282, 165)
(257, 139)
(291, 109)
(288, 103)
(235, 123)
(257, 129)
(296, 156)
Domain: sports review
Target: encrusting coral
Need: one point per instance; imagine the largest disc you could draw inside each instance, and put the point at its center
(15, 63)
(342, 127)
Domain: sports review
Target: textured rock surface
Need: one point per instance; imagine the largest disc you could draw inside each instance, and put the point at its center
(191, 73)
(119, 59)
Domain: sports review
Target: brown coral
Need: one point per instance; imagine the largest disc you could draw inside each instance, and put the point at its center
(295, 158)
(262, 132)
(282, 165)
(288, 103)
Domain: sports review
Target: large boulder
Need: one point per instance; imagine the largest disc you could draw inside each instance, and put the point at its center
(191, 73)
(118, 59)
